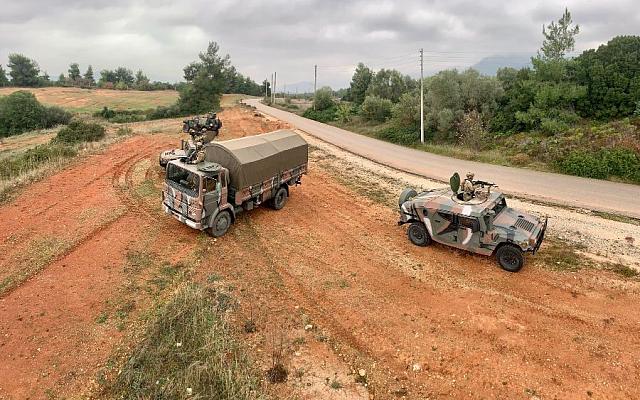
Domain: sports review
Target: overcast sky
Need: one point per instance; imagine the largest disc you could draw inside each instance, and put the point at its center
(289, 36)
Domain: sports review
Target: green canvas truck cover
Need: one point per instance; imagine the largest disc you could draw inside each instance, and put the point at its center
(253, 159)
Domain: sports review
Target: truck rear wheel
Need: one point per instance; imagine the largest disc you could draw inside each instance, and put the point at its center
(221, 224)
(280, 199)
(510, 258)
(418, 234)
(407, 194)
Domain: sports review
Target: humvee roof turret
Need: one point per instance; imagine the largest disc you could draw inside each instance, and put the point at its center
(479, 222)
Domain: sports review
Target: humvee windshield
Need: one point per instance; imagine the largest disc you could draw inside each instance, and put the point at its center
(500, 206)
(183, 179)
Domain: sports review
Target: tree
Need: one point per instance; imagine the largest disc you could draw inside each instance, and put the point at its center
(406, 113)
(559, 38)
(205, 81)
(124, 75)
(62, 80)
(88, 76)
(24, 71)
(389, 84)
(360, 83)
(74, 72)
(4, 81)
(375, 108)
(611, 75)
(323, 99)
(142, 82)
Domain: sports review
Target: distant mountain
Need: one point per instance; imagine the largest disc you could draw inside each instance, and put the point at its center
(490, 65)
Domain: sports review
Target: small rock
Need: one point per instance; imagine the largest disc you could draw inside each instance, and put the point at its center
(308, 327)
(417, 367)
(362, 372)
(189, 391)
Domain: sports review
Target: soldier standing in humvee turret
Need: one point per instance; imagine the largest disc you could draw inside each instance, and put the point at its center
(468, 187)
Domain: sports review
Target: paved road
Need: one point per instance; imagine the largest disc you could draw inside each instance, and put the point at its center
(573, 191)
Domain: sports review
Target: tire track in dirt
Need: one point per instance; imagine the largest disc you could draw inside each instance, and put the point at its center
(529, 330)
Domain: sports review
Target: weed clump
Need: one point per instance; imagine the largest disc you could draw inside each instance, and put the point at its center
(187, 347)
(78, 132)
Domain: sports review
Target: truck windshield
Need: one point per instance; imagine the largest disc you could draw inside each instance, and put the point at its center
(183, 179)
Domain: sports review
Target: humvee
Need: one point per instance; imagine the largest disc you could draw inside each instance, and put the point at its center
(483, 224)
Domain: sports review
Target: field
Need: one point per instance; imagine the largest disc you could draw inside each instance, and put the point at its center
(91, 100)
(329, 287)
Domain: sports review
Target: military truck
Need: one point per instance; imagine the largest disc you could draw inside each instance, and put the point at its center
(483, 224)
(208, 191)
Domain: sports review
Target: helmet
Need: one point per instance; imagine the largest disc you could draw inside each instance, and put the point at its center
(470, 175)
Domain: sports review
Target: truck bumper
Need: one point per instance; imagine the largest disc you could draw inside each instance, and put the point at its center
(541, 236)
(183, 219)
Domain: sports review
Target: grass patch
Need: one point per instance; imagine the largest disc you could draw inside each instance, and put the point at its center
(558, 255)
(31, 159)
(187, 350)
(38, 253)
(146, 189)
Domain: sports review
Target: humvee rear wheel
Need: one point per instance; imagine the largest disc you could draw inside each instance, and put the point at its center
(221, 224)
(280, 199)
(407, 194)
(418, 234)
(510, 258)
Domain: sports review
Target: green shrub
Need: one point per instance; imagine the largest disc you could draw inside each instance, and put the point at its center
(321, 116)
(344, 112)
(323, 100)
(402, 136)
(376, 108)
(78, 131)
(21, 112)
(161, 112)
(55, 116)
(620, 162)
(33, 158)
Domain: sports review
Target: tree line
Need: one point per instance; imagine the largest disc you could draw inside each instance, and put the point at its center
(549, 97)
(25, 72)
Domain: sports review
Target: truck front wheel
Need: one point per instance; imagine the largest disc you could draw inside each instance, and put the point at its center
(510, 258)
(221, 224)
(280, 198)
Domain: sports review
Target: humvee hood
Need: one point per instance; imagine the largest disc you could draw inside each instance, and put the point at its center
(518, 222)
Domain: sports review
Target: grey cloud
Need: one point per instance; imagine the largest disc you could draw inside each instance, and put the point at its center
(288, 36)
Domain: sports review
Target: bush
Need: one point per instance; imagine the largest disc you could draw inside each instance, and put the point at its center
(471, 131)
(21, 112)
(323, 99)
(402, 136)
(406, 114)
(161, 112)
(56, 116)
(78, 131)
(620, 162)
(344, 112)
(375, 108)
(33, 158)
(321, 116)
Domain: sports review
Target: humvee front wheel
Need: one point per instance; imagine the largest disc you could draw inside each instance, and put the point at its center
(280, 199)
(221, 224)
(510, 258)
(418, 234)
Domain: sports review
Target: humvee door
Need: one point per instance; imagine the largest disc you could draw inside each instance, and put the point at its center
(445, 229)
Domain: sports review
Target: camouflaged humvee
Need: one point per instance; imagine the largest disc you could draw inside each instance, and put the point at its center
(484, 224)
(206, 192)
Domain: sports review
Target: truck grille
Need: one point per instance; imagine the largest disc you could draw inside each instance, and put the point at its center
(524, 224)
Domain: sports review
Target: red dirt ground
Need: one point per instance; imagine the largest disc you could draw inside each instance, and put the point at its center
(422, 322)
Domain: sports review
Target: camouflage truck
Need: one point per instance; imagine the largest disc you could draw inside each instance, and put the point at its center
(234, 175)
(482, 224)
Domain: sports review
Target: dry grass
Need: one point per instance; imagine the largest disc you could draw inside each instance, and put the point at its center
(91, 100)
(187, 351)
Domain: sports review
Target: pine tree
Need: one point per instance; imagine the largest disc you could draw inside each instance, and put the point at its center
(559, 38)
(88, 76)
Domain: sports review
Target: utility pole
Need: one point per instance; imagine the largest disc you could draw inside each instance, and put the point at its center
(275, 82)
(315, 84)
(421, 95)
(266, 88)
(271, 96)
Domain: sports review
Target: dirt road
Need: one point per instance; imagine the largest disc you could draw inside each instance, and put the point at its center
(331, 273)
(555, 188)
